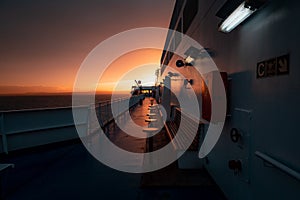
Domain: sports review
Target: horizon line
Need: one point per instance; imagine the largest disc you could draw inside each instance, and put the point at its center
(61, 93)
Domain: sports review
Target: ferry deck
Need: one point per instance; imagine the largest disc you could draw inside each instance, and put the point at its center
(67, 170)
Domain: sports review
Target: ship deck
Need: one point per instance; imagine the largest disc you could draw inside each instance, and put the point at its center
(67, 171)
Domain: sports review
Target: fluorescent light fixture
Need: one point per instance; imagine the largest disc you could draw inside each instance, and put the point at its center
(239, 14)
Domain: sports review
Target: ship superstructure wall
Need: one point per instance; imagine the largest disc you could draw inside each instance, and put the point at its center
(263, 109)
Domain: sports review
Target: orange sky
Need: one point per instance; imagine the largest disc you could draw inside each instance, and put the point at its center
(43, 43)
(135, 65)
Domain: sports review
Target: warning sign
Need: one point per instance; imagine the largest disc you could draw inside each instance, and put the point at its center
(273, 67)
(283, 65)
(261, 70)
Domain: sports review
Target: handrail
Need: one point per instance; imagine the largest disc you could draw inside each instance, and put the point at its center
(169, 133)
(44, 128)
(278, 165)
(7, 129)
(193, 118)
(108, 115)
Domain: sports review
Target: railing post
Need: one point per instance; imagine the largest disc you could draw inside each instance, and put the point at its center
(106, 112)
(88, 119)
(2, 133)
(118, 106)
(100, 114)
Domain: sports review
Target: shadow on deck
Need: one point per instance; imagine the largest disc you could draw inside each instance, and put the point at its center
(67, 171)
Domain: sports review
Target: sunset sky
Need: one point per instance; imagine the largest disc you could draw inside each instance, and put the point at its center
(44, 42)
(135, 65)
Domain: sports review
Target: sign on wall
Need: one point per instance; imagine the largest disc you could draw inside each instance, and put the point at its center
(273, 67)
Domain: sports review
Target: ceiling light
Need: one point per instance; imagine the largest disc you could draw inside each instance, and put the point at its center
(241, 13)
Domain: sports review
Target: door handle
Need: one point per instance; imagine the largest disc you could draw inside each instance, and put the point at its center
(235, 135)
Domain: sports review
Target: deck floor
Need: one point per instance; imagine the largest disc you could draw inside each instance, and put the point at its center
(70, 172)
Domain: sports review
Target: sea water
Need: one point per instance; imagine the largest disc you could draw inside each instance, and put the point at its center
(20, 102)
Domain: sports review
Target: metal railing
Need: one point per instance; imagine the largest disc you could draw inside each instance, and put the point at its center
(284, 168)
(27, 128)
(121, 105)
(21, 129)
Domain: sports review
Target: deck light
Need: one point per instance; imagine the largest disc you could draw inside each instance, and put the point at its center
(242, 12)
(193, 53)
(180, 63)
(186, 62)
